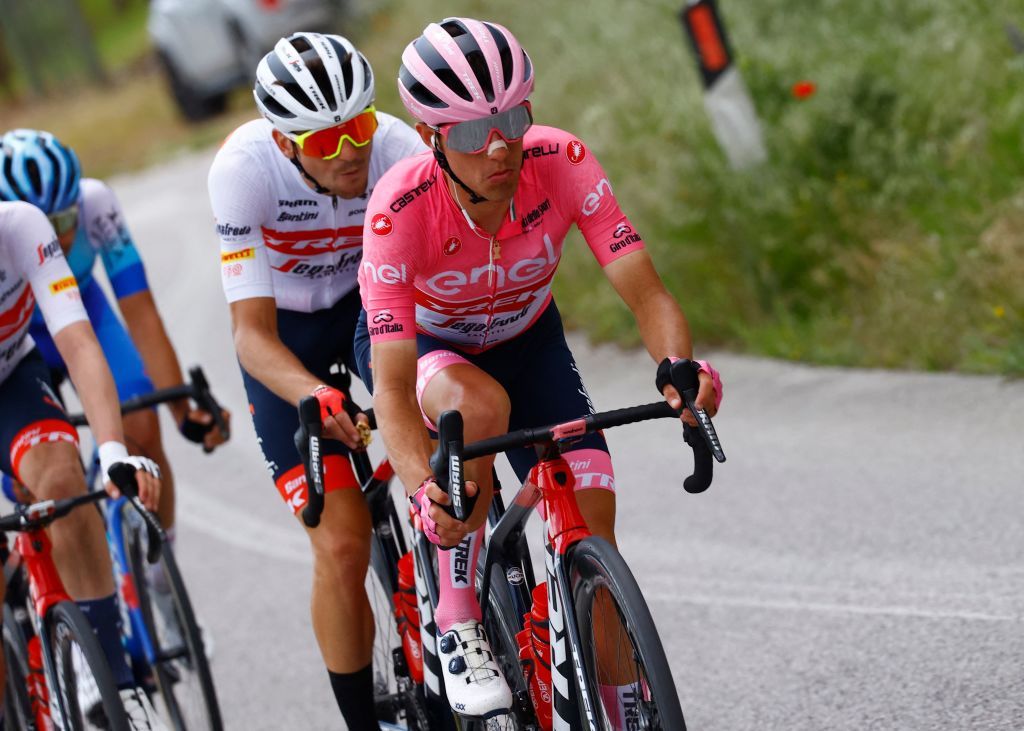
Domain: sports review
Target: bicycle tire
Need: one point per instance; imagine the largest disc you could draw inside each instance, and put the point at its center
(182, 669)
(17, 705)
(595, 565)
(68, 629)
(396, 696)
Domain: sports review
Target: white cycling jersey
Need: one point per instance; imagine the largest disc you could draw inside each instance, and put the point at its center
(32, 269)
(278, 237)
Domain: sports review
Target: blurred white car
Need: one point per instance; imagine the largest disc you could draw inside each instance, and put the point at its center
(209, 47)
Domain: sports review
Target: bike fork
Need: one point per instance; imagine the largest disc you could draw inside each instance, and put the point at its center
(567, 673)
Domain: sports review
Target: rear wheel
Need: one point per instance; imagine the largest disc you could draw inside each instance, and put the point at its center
(180, 663)
(17, 705)
(84, 684)
(620, 644)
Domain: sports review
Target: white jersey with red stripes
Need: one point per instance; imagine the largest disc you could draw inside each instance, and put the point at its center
(279, 238)
(426, 268)
(32, 269)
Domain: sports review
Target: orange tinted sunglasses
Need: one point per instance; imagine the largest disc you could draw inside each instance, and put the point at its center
(327, 143)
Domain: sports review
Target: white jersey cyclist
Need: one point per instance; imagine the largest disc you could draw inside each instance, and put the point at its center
(31, 274)
(278, 237)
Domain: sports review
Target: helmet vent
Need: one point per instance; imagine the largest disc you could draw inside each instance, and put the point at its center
(323, 80)
(440, 68)
(284, 79)
(501, 43)
(418, 91)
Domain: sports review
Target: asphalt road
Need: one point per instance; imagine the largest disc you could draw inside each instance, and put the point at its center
(858, 563)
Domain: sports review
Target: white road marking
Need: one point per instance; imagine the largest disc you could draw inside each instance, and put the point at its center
(830, 607)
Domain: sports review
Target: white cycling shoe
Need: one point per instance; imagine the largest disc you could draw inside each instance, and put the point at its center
(139, 709)
(472, 680)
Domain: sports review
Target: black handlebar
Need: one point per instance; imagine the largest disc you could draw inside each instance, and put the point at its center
(123, 475)
(205, 400)
(198, 389)
(703, 439)
(41, 514)
(446, 463)
(307, 441)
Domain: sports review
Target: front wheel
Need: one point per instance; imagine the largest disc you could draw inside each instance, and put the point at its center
(628, 675)
(180, 664)
(84, 683)
(17, 704)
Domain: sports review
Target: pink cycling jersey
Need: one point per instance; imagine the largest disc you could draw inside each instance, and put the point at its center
(426, 268)
(32, 269)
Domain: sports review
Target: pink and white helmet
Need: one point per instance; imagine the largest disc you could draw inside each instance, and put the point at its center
(462, 69)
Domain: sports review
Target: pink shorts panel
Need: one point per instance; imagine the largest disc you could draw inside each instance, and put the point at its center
(429, 366)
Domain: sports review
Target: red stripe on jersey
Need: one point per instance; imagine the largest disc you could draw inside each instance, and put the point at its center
(313, 242)
(14, 318)
(508, 300)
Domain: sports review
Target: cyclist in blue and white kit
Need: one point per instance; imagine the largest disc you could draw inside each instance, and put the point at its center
(38, 169)
(289, 195)
(38, 445)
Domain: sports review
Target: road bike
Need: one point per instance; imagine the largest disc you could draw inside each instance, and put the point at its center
(588, 623)
(161, 635)
(52, 655)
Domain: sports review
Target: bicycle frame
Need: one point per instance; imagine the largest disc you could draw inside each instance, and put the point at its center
(137, 641)
(34, 551)
(551, 481)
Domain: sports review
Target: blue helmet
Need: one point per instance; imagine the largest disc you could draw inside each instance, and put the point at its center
(36, 168)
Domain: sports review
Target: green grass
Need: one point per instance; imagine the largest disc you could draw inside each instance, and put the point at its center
(887, 229)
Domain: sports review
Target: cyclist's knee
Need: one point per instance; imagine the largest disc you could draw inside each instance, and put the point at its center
(485, 406)
(52, 472)
(341, 555)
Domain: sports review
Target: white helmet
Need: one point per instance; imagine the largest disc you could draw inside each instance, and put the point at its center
(312, 81)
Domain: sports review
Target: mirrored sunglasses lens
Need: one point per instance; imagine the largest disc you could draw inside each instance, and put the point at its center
(472, 136)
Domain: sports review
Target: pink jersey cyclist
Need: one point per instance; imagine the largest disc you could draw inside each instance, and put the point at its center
(459, 252)
(426, 268)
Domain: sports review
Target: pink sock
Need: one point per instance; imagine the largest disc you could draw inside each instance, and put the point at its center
(456, 571)
(620, 702)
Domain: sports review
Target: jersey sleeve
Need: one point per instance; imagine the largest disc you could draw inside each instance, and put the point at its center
(595, 210)
(108, 235)
(38, 255)
(391, 259)
(240, 198)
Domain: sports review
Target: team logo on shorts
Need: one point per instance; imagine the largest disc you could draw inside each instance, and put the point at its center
(381, 224)
(575, 152)
(452, 246)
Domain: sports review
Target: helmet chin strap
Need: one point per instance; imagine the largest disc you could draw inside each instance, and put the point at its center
(474, 197)
(302, 171)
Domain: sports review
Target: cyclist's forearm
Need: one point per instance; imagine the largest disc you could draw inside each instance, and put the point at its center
(405, 436)
(92, 380)
(150, 337)
(663, 327)
(270, 362)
